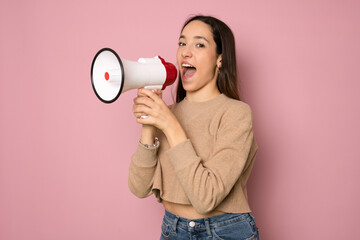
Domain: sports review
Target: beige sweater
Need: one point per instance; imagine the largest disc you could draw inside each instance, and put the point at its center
(210, 169)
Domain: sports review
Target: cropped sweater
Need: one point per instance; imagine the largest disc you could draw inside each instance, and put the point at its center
(210, 169)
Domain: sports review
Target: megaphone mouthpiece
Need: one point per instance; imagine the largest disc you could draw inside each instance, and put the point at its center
(171, 73)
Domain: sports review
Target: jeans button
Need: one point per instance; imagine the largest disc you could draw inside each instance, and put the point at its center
(192, 224)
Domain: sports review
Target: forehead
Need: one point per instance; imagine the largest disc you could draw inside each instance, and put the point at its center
(197, 28)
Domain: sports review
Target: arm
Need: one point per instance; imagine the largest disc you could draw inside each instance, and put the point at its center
(144, 160)
(142, 168)
(206, 184)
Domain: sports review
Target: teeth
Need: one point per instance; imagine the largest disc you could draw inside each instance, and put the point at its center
(186, 65)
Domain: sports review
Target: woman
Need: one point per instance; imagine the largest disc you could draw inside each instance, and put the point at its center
(196, 155)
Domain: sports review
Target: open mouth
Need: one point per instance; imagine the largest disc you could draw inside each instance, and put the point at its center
(188, 70)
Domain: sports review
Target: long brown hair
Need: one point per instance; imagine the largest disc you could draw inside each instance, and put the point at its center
(225, 45)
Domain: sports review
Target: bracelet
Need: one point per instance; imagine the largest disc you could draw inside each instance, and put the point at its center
(156, 143)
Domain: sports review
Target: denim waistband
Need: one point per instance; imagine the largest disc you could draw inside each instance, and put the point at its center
(205, 223)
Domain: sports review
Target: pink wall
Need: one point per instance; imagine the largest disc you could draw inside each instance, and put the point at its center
(64, 155)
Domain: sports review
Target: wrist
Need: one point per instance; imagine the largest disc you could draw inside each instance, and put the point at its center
(147, 135)
(175, 135)
(154, 145)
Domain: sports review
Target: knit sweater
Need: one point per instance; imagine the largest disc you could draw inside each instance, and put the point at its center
(210, 169)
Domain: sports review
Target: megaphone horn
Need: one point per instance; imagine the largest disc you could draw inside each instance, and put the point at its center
(111, 75)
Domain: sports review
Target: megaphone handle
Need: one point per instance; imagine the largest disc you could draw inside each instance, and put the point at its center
(152, 89)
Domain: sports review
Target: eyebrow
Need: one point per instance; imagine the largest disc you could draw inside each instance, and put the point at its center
(196, 37)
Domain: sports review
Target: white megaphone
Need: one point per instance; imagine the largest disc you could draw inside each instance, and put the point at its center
(111, 75)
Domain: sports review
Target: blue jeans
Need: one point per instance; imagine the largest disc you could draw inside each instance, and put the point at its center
(239, 226)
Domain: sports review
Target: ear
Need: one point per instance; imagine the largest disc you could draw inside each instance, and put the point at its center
(219, 61)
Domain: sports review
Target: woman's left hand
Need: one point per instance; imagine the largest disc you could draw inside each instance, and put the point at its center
(158, 115)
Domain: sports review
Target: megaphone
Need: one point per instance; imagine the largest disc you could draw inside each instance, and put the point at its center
(111, 75)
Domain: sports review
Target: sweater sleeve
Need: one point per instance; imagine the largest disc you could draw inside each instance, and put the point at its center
(207, 183)
(141, 171)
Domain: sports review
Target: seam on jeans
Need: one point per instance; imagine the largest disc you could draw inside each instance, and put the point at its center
(168, 219)
(251, 238)
(231, 221)
(215, 235)
(162, 232)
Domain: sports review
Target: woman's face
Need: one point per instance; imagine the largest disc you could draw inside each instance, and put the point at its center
(197, 58)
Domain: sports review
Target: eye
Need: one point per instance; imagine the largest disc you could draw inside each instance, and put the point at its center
(200, 45)
(181, 44)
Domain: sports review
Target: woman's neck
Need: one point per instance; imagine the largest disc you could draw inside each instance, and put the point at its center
(202, 95)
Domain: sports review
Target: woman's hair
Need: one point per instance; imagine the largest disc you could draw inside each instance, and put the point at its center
(225, 45)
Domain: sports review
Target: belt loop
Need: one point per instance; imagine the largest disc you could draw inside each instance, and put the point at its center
(175, 223)
(207, 225)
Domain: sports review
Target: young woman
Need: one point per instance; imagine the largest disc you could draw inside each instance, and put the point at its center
(196, 155)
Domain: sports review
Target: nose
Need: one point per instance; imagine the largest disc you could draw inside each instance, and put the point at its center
(186, 52)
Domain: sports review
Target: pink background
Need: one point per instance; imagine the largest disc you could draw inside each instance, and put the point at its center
(64, 155)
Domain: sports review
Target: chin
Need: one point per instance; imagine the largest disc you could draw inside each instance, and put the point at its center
(188, 87)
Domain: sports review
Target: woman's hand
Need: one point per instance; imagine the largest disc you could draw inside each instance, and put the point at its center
(158, 114)
(150, 105)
